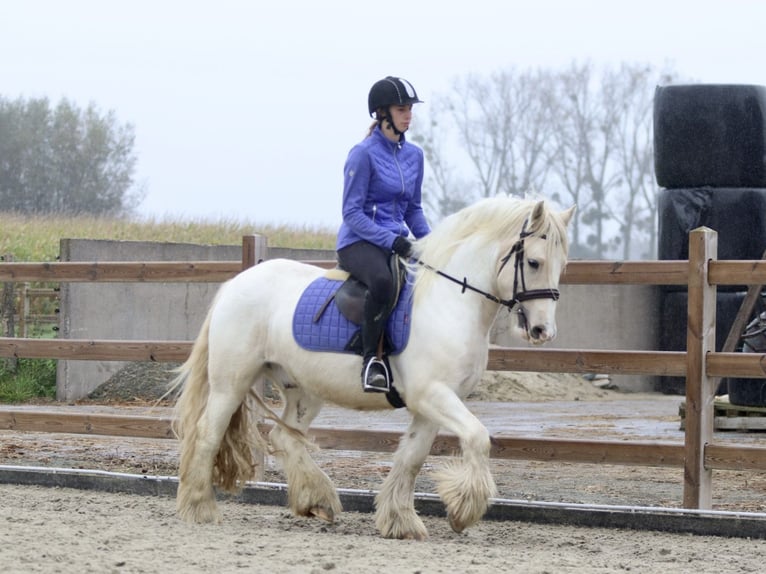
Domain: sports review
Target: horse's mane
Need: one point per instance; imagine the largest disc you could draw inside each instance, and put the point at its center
(497, 220)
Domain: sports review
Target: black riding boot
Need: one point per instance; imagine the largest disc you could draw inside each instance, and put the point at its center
(374, 372)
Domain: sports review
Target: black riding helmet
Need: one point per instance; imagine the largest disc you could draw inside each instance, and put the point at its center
(391, 91)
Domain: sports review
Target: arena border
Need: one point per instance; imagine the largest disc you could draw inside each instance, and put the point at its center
(646, 518)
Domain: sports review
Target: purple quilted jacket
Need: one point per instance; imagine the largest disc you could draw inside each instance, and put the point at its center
(382, 192)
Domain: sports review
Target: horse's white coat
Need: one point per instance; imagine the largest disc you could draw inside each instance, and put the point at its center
(247, 335)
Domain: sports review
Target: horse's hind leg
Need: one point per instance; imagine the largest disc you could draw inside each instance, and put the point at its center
(196, 495)
(213, 423)
(395, 514)
(310, 491)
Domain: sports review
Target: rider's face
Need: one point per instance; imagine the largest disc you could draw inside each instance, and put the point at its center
(401, 116)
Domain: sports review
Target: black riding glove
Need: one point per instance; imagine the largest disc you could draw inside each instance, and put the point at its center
(402, 247)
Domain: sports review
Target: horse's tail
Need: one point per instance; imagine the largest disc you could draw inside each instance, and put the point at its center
(234, 464)
(191, 385)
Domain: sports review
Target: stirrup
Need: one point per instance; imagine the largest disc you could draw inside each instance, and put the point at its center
(376, 385)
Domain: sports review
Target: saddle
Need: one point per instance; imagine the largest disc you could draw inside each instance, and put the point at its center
(350, 296)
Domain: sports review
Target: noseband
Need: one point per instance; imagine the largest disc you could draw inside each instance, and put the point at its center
(519, 296)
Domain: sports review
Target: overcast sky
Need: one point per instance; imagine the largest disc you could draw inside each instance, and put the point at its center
(246, 110)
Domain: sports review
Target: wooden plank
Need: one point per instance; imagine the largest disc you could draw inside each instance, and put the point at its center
(86, 423)
(503, 447)
(130, 271)
(700, 340)
(743, 424)
(580, 272)
(747, 365)
(514, 448)
(724, 457)
(737, 272)
(587, 361)
(500, 358)
(589, 451)
(123, 271)
(87, 350)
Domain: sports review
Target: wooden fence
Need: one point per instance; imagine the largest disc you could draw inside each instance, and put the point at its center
(700, 364)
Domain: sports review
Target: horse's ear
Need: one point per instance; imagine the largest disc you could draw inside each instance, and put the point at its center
(566, 216)
(536, 219)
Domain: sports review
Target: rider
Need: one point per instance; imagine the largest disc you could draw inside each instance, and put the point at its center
(382, 183)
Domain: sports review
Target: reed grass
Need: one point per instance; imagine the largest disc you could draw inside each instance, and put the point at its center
(37, 238)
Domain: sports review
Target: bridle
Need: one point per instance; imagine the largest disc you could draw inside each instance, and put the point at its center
(519, 296)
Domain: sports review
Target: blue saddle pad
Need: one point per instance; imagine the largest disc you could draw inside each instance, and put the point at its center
(332, 331)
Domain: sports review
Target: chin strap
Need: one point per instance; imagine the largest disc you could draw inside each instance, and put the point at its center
(390, 124)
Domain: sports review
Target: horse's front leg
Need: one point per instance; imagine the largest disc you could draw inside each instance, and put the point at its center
(395, 514)
(466, 484)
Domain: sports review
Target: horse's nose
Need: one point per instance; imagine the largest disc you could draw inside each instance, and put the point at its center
(542, 333)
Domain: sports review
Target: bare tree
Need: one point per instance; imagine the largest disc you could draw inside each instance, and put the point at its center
(636, 207)
(443, 191)
(501, 127)
(578, 136)
(589, 112)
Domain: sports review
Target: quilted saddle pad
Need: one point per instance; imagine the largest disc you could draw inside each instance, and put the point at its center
(331, 332)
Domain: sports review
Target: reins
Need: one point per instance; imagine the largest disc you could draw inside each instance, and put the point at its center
(518, 273)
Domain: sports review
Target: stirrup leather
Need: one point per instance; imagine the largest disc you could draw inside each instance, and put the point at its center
(365, 374)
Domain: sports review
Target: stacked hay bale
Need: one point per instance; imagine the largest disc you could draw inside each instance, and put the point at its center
(710, 162)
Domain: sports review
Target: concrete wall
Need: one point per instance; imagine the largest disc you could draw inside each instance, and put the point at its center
(610, 317)
(602, 317)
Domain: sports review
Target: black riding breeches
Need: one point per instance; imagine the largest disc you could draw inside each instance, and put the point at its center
(369, 264)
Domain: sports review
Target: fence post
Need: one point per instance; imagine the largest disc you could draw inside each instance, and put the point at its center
(700, 388)
(7, 312)
(254, 250)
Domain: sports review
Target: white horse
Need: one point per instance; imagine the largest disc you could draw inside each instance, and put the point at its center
(498, 252)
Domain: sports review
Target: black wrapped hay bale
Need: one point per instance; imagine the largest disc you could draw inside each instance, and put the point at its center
(673, 314)
(738, 215)
(710, 135)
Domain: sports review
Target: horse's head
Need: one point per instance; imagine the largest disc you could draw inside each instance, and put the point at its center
(528, 274)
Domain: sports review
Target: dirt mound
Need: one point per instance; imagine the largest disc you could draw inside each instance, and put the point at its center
(136, 383)
(141, 383)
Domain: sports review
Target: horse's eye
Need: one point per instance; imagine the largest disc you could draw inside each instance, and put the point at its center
(533, 263)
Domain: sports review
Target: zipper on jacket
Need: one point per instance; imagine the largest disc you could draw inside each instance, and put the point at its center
(401, 178)
(374, 211)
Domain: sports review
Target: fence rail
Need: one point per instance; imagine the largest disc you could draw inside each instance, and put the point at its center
(700, 364)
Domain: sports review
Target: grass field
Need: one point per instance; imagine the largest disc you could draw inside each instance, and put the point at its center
(28, 239)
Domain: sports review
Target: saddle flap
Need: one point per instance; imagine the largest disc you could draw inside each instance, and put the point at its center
(350, 300)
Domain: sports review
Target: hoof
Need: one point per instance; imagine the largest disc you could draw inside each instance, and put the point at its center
(417, 536)
(454, 525)
(322, 513)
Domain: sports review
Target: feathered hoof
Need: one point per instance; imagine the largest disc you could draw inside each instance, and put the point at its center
(455, 525)
(200, 514)
(417, 536)
(323, 513)
(405, 526)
